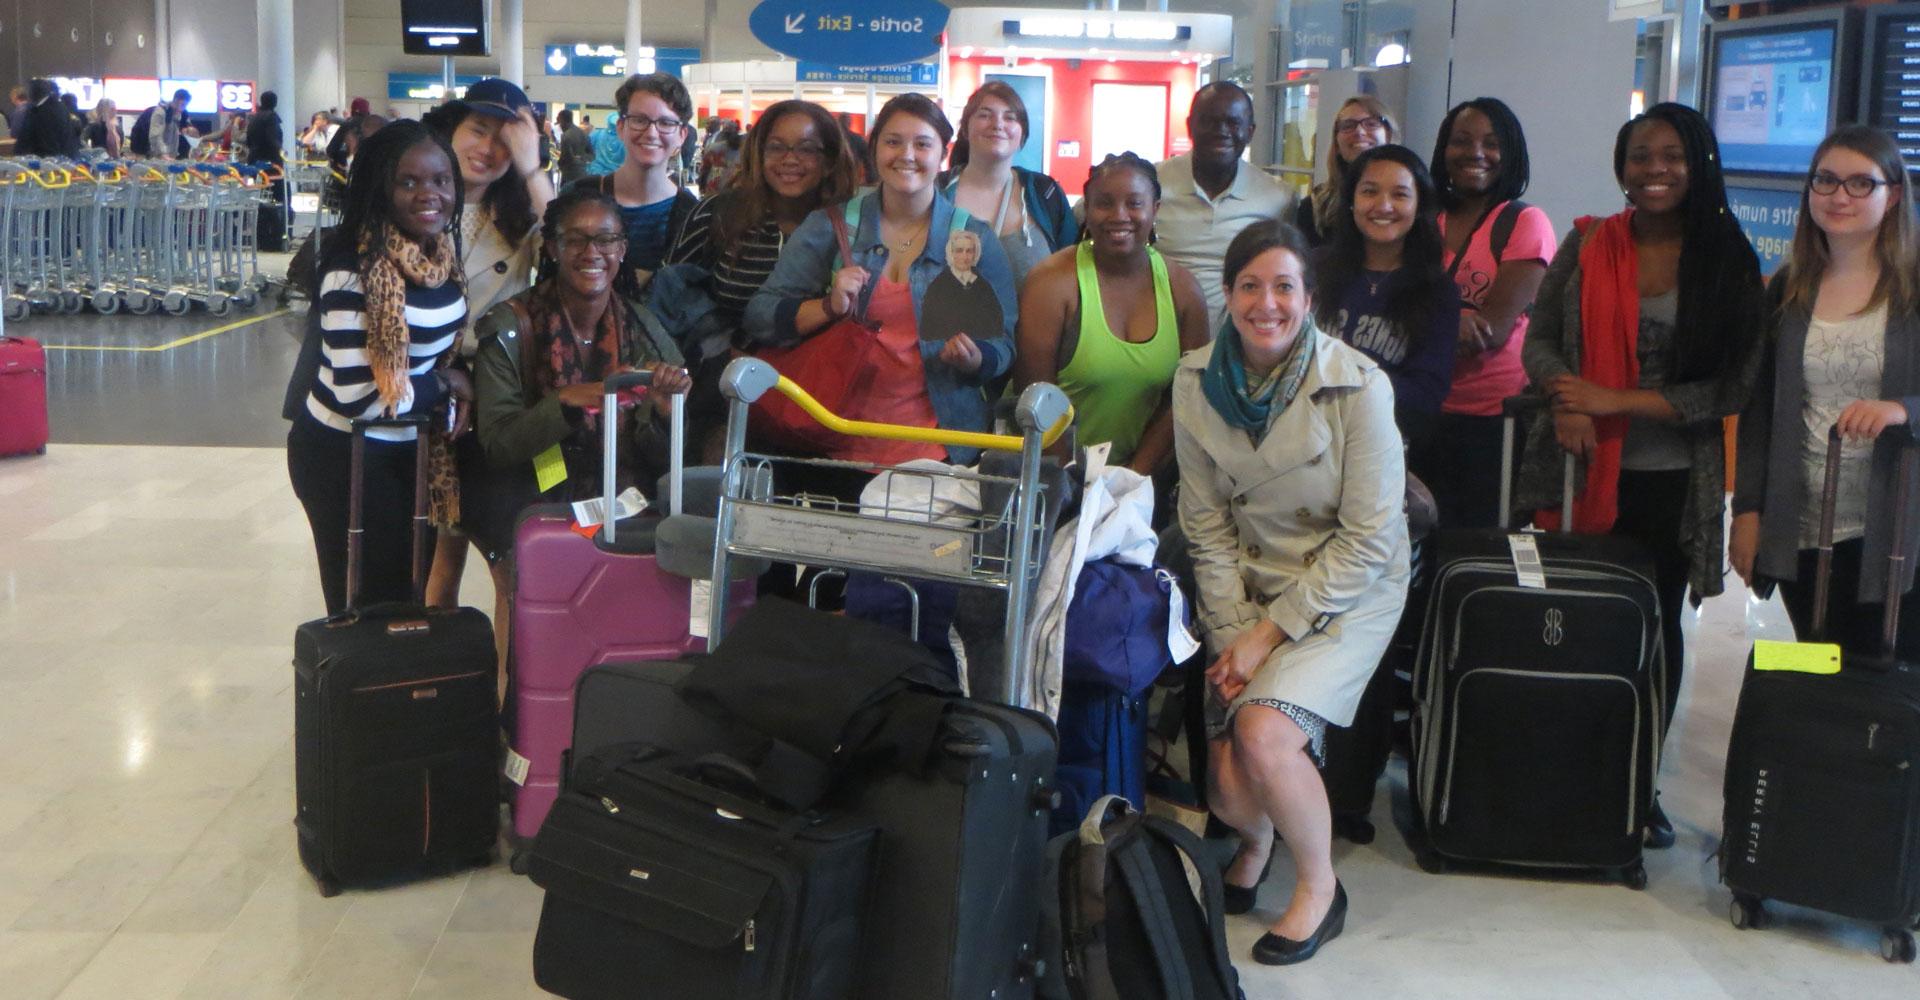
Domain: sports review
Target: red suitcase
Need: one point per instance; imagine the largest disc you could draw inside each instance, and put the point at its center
(579, 602)
(23, 397)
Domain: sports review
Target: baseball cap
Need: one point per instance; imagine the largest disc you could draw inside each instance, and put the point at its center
(360, 106)
(496, 97)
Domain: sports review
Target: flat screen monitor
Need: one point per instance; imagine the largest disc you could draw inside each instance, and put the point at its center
(1776, 87)
(1890, 82)
(445, 27)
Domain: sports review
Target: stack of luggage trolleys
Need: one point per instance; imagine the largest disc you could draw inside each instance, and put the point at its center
(917, 881)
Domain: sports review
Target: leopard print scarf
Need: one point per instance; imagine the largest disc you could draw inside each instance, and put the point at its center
(385, 277)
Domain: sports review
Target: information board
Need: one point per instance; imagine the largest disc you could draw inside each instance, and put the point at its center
(1893, 94)
(1773, 97)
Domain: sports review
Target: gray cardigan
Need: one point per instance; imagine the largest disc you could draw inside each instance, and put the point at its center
(1770, 478)
(1553, 348)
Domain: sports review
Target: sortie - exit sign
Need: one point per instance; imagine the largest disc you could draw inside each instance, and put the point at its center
(851, 32)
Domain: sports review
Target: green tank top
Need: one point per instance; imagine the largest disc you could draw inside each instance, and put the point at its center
(1116, 385)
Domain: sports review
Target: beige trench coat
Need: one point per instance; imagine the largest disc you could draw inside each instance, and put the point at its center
(1308, 530)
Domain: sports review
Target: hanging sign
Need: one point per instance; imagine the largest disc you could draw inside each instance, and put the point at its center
(851, 32)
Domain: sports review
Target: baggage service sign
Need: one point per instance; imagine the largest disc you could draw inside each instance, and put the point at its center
(851, 32)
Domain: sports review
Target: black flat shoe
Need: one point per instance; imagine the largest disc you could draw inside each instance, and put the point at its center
(1272, 949)
(1659, 833)
(1240, 899)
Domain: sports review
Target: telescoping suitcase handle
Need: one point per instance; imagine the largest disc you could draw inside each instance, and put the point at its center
(1512, 408)
(422, 424)
(1896, 553)
(609, 426)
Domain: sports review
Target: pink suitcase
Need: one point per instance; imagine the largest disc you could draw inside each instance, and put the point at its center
(580, 602)
(23, 397)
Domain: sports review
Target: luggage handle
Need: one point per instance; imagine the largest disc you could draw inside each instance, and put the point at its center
(1896, 553)
(422, 424)
(1512, 408)
(609, 436)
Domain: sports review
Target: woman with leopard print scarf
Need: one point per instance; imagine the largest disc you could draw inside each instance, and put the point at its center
(388, 314)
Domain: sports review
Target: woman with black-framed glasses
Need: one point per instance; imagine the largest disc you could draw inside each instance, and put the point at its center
(1361, 124)
(652, 123)
(1843, 348)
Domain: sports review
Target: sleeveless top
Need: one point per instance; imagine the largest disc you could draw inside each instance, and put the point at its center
(903, 398)
(1116, 385)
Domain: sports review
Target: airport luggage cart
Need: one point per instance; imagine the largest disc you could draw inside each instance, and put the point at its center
(905, 535)
(34, 242)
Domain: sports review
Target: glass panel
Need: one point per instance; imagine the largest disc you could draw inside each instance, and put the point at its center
(1299, 117)
(1318, 35)
(1389, 33)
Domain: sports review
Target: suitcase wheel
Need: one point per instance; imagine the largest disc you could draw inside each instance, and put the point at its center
(517, 862)
(1431, 862)
(1634, 877)
(1357, 829)
(1896, 945)
(328, 887)
(1747, 913)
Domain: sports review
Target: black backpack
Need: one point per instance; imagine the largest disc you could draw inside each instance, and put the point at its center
(139, 140)
(1122, 920)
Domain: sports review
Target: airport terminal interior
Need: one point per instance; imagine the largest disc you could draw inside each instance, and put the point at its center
(155, 562)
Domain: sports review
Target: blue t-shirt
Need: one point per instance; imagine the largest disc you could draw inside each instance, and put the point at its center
(1421, 369)
(647, 232)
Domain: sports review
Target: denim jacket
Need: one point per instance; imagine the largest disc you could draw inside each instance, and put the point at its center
(807, 266)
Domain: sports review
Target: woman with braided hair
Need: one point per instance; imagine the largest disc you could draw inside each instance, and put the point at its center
(389, 312)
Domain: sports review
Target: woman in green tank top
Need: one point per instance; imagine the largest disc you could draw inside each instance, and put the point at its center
(1108, 318)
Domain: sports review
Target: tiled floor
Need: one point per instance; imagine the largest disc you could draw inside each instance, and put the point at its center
(147, 597)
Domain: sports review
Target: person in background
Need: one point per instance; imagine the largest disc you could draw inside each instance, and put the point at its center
(313, 142)
(1840, 350)
(1361, 124)
(609, 152)
(1659, 307)
(349, 131)
(103, 129)
(496, 148)
(17, 105)
(1027, 209)
(862, 157)
(264, 142)
(654, 110)
(1382, 289)
(795, 162)
(47, 129)
(75, 116)
(1497, 248)
(576, 149)
(1108, 318)
(1210, 194)
(167, 127)
(389, 314)
(1301, 576)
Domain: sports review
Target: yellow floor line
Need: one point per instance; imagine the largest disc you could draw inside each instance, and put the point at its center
(171, 344)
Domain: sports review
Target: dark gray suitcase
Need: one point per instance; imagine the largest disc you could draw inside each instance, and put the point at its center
(956, 907)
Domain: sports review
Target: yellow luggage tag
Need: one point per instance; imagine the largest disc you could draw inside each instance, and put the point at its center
(549, 468)
(1802, 657)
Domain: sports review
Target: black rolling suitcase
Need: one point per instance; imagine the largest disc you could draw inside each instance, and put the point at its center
(1823, 775)
(395, 728)
(1537, 715)
(670, 876)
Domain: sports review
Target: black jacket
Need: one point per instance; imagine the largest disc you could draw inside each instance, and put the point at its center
(48, 131)
(264, 138)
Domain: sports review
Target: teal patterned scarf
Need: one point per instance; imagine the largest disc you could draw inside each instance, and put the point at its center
(1252, 407)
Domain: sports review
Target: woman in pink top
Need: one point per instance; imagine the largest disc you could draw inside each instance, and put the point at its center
(1496, 250)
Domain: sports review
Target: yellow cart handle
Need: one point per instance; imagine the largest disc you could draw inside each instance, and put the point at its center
(748, 379)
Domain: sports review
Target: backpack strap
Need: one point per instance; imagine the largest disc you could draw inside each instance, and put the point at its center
(1086, 909)
(1503, 228)
(1132, 857)
(1211, 890)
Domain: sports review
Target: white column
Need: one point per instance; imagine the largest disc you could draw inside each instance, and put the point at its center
(634, 44)
(274, 48)
(513, 44)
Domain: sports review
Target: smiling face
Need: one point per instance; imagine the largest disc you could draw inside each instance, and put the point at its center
(1221, 125)
(589, 249)
(908, 153)
(483, 157)
(793, 162)
(423, 192)
(1120, 211)
(650, 147)
(993, 131)
(1473, 154)
(1844, 214)
(1356, 130)
(1655, 172)
(1267, 302)
(1385, 202)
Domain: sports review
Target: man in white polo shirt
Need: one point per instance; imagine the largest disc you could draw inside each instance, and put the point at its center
(1209, 195)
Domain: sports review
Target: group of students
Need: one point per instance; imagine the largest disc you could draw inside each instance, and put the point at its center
(1292, 374)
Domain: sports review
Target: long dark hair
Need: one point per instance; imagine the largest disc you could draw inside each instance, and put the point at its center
(1719, 276)
(1515, 170)
(1422, 282)
(506, 199)
(367, 208)
(750, 200)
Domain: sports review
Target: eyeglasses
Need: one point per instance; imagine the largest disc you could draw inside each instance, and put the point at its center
(1370, 123)
(806, 152)
(571, 243)
(1858, 186)
(641, 123)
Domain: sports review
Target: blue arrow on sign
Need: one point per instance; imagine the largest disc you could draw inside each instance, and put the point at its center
(851, 32)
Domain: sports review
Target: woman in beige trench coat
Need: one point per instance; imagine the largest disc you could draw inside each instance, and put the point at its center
(1291, 492)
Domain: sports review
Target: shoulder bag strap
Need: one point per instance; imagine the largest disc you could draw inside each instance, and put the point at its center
(1462, 255)
(1503, 228)
(1212, 892)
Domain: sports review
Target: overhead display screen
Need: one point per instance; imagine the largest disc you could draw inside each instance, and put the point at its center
(1773, 97)
(445, 27)
(1893, 84)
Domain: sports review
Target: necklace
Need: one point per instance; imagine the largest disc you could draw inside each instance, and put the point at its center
(1373, 283)
(907, 243)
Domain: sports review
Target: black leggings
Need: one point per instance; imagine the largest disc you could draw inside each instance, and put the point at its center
(1855, 626)
(1650, 505)
(318, 461)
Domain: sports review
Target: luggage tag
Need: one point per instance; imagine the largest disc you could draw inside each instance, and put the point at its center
(1799, 657)
(549, 468)
(1180, 641)
(699, 606)
(592, 513)
(1526, 561)
(517, 767)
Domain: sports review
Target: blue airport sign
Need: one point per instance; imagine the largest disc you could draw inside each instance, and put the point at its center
(908, 74)
(851, 32)
(610, 61)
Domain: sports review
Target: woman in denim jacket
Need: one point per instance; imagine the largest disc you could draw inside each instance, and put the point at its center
(898, 236)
